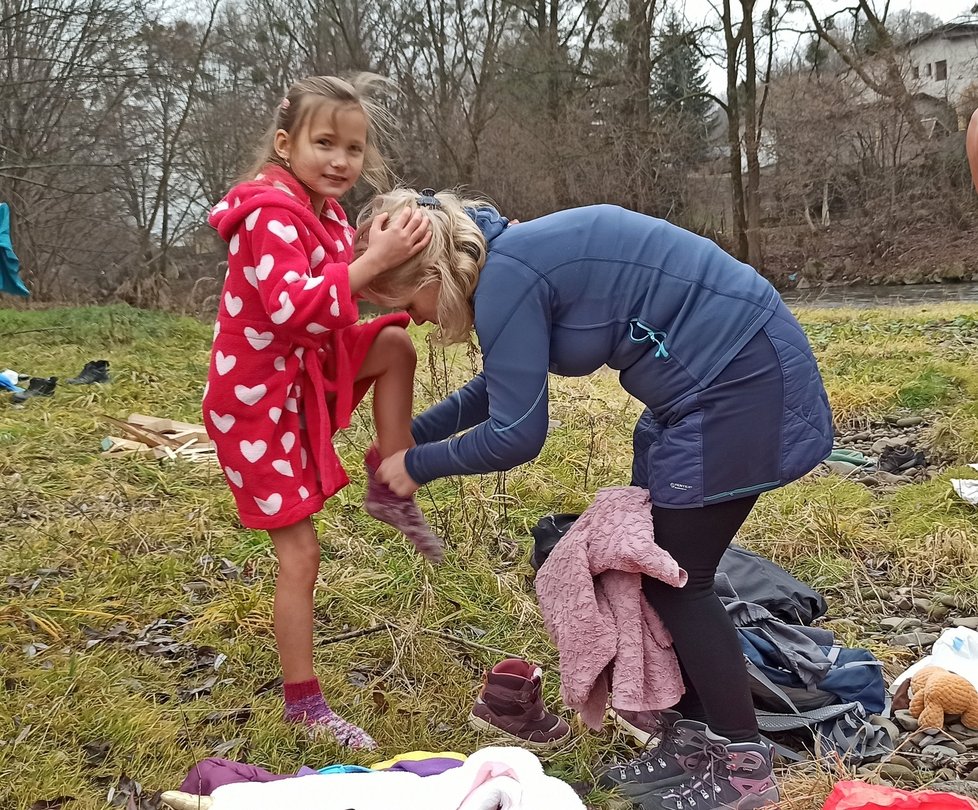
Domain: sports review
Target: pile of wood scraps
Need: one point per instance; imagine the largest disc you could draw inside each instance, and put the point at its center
(157, 438)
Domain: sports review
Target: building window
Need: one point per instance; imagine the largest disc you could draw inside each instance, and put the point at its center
(940, 70)
(927, 72)
(916, 72)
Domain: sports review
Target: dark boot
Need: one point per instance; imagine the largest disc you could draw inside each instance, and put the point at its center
(510, 703)
(682, 748)
(735, 776)
(95, 371)
(37, 387)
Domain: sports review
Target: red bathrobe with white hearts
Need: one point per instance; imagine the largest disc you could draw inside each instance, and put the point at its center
(287, 349)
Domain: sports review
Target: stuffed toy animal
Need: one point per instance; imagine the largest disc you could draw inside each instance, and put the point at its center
(937, 693)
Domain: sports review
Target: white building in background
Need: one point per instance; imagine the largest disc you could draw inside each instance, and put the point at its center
(943, 63)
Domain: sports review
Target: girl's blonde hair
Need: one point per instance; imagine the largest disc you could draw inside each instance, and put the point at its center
(312, 93)
(454, 257)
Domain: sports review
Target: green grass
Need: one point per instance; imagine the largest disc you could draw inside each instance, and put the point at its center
(89, 544)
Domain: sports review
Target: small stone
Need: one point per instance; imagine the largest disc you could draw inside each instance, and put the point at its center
(917, 640)
(956, 728)
(843, 468)
(905, 720)
(902, 603)
(881, 444)
(868, 593)
(939, 752)
(945, 774)
(908, 421)
(947, 599)
(971, 622)
(973, 775)
(938, 613)
(898, 623)
(961, 786)
(898, 773)
(890, 478)
(862, 436)
(899, 759)
(970, 742)
(922, 605)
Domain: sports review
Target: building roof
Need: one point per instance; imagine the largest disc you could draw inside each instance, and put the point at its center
(964, 29)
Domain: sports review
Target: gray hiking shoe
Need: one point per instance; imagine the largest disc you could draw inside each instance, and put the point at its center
(682, 747)
(733, 776)
(644, 727)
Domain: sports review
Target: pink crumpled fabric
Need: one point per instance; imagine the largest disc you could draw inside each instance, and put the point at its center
(590, 595)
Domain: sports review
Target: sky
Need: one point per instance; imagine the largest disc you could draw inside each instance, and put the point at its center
(702, 11)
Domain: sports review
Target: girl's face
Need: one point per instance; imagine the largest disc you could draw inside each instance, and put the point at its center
(423, 305)
(326, 155)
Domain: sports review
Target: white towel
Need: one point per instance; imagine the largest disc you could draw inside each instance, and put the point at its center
(506, 778)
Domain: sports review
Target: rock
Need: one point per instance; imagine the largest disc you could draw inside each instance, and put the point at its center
(947, 599)
(961, 786)
(908, 421)
(971, 622)
(898, 773)
(899, 759)
(905, 720)
(938, 613)
(922, 605)
(843, 468)
(917, 640)
(885, 477)
(945, 774)
(881, 444)
(902, 603)
(956, 729)
(970, 742)
(897, 623)
(973, 775)
(939, 752)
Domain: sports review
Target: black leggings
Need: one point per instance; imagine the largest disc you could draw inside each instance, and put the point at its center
(704, 638)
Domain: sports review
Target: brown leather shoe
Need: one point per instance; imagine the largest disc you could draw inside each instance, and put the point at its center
(510, 704)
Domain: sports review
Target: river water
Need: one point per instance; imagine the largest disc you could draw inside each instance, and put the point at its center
(866, 296)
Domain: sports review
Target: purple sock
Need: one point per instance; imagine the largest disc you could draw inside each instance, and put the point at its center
(401, 513)
(304, 703)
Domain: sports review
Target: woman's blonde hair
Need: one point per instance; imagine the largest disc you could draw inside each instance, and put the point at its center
(310, 94)
(454, 257)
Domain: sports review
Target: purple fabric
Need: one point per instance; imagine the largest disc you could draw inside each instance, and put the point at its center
(211, 773)
(424, 767)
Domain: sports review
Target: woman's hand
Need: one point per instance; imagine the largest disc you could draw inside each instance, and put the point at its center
(393, 472)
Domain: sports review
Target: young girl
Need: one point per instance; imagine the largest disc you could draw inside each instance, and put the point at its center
(290, 362)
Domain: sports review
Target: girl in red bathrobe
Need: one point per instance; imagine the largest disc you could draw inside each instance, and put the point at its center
(290, 362)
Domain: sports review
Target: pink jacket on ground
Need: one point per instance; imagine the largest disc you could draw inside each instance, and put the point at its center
(590, 595)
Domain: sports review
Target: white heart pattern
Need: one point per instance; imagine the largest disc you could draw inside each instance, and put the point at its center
(252, 450)
(265, 266)
(291, 277)
(334, 308)
(281, 465)
(286, 308)
(233, 245)
(303, 493)
(269, 505)
(221, 206)
(252, 219)
(315, 328)
(251, 276)
(314, 281)
(207, 387)
(287, 233)
(233, 476)
(283, 187)
(288, 441)
(222, 423)
(217, 328)
(275, 414)
(224, 362)
(303, 457)
(258, 340)
(331, 214)
(318, 254)
(291, 405)
(250, 395)
(233, 304)
(340, 247)
(279, 364)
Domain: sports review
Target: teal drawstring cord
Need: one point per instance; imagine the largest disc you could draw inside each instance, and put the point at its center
(649, 334)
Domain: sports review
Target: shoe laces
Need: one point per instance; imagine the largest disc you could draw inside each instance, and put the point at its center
(703, 787)
(651, 757)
